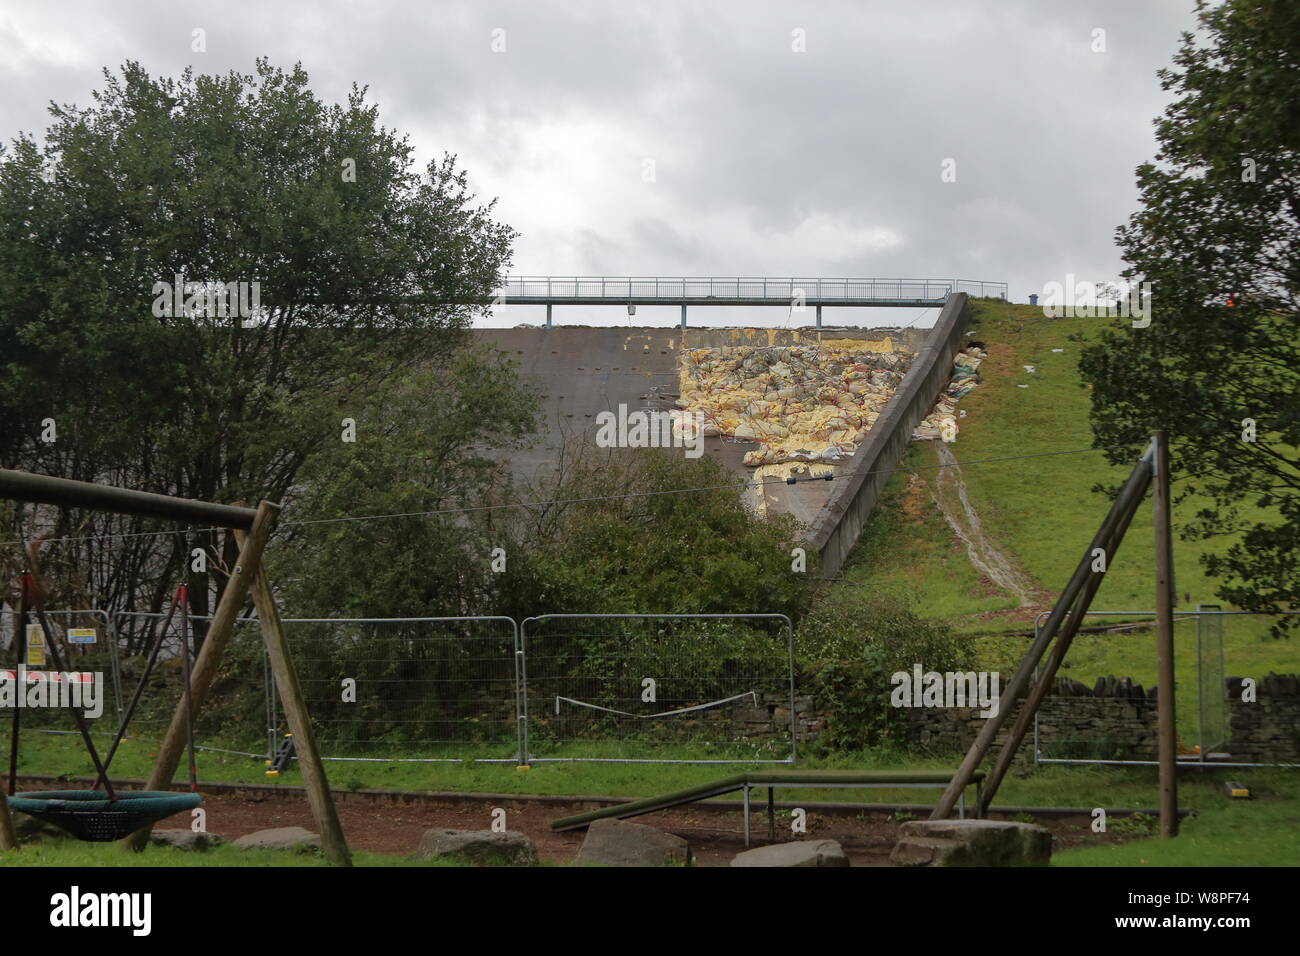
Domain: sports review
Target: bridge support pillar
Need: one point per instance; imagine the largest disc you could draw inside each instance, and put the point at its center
(819, 316)
(683, 315)
(548, 315)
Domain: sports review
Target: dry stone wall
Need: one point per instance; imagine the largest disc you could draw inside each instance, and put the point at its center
(1114, 719)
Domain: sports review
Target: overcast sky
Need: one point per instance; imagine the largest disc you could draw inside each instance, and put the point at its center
(695, 138)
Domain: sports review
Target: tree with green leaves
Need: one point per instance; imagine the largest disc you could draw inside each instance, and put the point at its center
(118, 229)
(429, 449)
(1218, 237)
(648, 531)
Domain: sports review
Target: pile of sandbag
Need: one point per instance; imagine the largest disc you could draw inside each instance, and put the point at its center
(800, 403)
(942, 421)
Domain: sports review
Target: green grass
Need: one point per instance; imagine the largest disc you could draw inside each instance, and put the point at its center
(1261, 831)
(1042, 512)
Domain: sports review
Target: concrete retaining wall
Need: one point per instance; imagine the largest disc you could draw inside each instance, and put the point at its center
(840, 521)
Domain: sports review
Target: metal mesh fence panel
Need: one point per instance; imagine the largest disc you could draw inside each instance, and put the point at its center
(1213, 730)
(86, 645)
(659, 688)
(423, 689)
(233, 718)
(1093, 716)
(1096, 717)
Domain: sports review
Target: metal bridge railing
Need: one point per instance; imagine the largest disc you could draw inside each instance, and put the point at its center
(741, 288)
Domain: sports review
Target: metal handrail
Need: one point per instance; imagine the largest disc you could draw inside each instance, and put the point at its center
(703, 288)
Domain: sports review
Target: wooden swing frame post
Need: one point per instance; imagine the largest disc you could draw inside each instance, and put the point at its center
(295, 712)
(1151, 472)
(253, 530)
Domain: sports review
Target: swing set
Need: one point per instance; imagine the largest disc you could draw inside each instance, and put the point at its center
(128, 816)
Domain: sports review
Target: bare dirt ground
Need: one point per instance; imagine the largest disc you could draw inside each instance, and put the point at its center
(715, 837)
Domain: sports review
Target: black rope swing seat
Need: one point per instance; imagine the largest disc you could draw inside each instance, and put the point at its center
(92, 815)
(95, 817)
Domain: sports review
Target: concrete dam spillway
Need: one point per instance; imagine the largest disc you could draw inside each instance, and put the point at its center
(775, 402)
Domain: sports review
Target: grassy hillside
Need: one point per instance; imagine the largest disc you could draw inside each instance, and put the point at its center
(1041, 512)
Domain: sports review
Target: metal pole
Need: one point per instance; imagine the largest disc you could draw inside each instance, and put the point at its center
(548, 314)
(1222, 726)
(8, 839)
(20, 685)
(819, 316)
(1200, 694)
(794, 717)
(1038, 622)
(183, 595)
(1165, 716)
(683, 315)
(110, 634)
(522, 758)
(522, 628)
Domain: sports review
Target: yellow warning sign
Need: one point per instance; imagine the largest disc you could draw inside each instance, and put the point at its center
(35, 646)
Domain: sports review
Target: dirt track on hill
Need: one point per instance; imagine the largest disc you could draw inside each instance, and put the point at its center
(948, 489)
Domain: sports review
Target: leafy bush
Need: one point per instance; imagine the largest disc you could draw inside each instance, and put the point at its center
(631, 535)
(849, 650)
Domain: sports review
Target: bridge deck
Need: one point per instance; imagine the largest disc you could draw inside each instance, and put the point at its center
(739, 291)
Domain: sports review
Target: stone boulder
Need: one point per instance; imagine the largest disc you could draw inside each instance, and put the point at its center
(280, 838)
(185, 839)
(798, 853)
(620, 843)
(972, 843)
(481, 847)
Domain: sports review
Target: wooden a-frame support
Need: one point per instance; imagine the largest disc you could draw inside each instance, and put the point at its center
(248, 575)
(1063, 623)
(253, 530)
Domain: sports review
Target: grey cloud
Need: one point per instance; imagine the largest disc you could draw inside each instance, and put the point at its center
(767, 160)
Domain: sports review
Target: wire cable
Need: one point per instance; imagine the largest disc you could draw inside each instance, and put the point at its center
(737, 485)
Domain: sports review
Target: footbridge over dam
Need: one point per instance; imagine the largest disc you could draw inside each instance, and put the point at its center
(582, 371)
(685, 292)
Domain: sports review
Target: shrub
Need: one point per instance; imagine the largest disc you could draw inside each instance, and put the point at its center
(848, 649)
